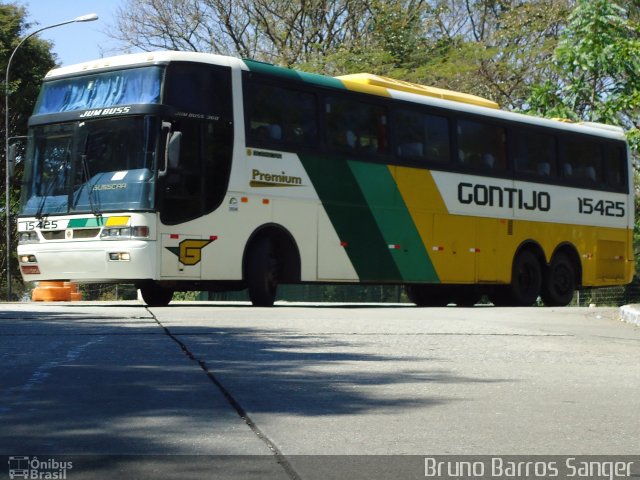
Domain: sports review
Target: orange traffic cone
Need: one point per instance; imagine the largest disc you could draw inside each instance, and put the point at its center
(56, 292)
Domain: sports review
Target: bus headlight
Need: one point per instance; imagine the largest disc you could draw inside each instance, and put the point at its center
(117, 233)
(28, 237)
(139, 232)
(120, 256)
(28, 259)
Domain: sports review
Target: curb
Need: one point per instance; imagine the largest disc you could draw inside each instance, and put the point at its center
(630, 314)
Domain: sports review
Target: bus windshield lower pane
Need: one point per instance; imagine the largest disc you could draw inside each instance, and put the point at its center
(92, 166)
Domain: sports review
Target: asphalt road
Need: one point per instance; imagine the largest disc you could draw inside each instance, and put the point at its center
(191, 389)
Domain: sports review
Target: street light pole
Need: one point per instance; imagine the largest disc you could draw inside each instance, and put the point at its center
(84, 18)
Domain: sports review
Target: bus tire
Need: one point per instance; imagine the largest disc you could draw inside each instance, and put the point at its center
(154, 295)
(526, 279)
(427, 295)
(559, 282)
(262, 273)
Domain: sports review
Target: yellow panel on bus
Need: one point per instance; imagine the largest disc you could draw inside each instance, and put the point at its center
(393, 84)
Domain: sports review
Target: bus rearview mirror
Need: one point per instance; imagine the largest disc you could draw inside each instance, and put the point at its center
(173, 149)
(11, 161)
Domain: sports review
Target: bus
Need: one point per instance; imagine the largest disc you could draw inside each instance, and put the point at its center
(181, 171)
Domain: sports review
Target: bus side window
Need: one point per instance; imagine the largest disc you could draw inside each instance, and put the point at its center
(422, 136)
(615, 167)
(534, 152)
(356, 126)
(582, 161)
(436, 130)
(481, 146)
(280, 116)
(197, 88)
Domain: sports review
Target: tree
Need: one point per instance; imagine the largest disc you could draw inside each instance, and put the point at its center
(596, 66)
(282, 31)
(29, 66)
(390, 40)
(494, 48)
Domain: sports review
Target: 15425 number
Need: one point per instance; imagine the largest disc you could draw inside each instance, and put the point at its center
(606, 208)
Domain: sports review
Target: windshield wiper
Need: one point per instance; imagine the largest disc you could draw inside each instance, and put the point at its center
(43, 201)
(90, 192)
(49, 188)
(86, 173)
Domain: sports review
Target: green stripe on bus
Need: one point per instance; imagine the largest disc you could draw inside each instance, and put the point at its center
(352, 218)
(86, 222)
(321, 80)
(286, 73)
(394, 221)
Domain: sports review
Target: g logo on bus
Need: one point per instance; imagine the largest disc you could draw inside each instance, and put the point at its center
(189, 251)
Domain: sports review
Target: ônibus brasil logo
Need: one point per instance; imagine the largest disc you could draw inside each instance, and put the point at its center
(34, 468)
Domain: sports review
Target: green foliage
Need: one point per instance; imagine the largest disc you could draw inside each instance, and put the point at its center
(31, 62)
(29, 66)
(186, 296)
(396, 29)
(596, 68)
(493, 49)
(390, 37)
(108, 291)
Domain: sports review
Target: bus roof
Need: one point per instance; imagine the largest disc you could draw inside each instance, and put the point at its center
(145, 58)
(361, 82)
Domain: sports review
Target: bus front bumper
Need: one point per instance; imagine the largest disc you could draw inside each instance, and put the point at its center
(96, 261)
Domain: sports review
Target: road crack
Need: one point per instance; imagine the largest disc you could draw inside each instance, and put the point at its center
(242, 413)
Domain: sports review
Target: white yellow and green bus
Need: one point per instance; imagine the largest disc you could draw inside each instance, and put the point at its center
(186, 171)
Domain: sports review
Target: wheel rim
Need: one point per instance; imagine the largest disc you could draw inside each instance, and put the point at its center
(262, 274)
(527, 278)
(271, 276)
(562, 281)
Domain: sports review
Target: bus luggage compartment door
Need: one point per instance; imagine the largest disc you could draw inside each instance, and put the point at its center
(181, 255)
(454, 254)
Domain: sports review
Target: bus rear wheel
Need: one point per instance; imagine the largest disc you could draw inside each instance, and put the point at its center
(262, 273)
(559, 283)
(154, 295)
(526, 279)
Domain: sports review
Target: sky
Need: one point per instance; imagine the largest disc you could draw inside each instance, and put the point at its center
(76, 42)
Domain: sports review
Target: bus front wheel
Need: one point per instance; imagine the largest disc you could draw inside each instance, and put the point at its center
(559, 283)
(262, 273)
(154, 295)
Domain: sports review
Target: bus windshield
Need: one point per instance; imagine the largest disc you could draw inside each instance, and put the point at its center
(107, 89)
(90, 166)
